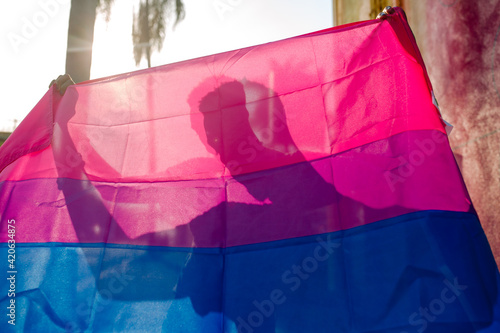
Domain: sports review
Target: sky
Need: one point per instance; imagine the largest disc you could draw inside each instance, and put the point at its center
(33, 37)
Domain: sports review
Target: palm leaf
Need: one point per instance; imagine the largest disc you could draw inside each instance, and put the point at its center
(150, 25)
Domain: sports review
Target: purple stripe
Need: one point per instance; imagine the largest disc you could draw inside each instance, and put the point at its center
(408, 172)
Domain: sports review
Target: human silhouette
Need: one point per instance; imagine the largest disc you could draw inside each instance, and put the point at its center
(272, 194)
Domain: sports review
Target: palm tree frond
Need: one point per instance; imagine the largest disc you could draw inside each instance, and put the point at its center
(104, 7)
(150, 25)
(180, 12)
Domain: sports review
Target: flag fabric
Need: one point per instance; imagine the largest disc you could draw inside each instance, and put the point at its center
(304, 185)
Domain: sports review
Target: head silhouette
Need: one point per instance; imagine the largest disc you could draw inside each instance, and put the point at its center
(243, 123)
(228, 125)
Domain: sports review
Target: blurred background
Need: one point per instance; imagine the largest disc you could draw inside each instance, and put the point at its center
(41, 39)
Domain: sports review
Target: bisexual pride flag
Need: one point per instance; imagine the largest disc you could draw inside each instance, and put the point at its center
(305, 185)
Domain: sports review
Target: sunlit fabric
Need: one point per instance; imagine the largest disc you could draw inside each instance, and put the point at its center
(305, 185)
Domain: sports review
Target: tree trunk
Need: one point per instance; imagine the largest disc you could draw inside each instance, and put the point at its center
(80, 39)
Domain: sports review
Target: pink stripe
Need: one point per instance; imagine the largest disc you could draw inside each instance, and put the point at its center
(33, 133)
(151, 125)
